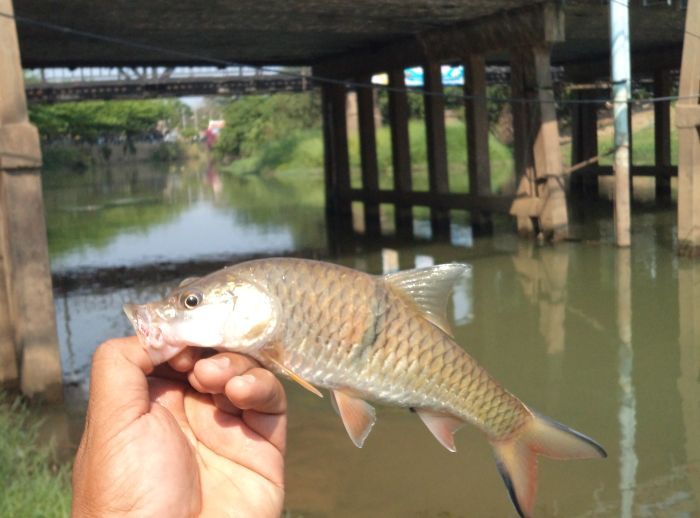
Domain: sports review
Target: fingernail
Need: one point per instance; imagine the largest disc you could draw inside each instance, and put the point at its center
(221, 362)
(246, 379)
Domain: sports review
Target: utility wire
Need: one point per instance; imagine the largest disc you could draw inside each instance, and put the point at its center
(320, 79)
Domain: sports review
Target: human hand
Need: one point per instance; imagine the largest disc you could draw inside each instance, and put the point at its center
(157, 447)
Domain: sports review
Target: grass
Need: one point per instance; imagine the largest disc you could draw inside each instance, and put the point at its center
(33, 485)
(642, 145)
(303, 152)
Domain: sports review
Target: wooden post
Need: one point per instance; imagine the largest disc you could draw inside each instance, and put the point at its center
(336, 158)
(368, 156)
(662, 135)
(584, 141)
(400, 149)
(28, 295)
(477, 118)
(688, 122)
(436, 145)
(576, 111)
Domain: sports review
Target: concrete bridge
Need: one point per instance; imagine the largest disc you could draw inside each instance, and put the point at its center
(346, 43)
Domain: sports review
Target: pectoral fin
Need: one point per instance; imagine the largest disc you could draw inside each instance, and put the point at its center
(358, 416)
(294, 377)
(442, 426)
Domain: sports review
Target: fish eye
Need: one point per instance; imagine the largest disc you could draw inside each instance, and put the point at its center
(191, 300)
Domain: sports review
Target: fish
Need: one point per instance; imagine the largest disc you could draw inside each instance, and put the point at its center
(364, 338)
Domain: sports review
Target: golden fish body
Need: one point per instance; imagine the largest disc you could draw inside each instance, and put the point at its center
(363, 337)
(347, 330)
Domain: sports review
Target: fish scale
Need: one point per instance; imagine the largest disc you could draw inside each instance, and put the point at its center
(401, 333)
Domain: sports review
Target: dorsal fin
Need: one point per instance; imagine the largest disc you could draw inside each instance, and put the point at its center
(429, 288)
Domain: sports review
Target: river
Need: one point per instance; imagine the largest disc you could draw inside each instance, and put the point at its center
(604, 340)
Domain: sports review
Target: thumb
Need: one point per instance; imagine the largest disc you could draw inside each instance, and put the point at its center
(118, 384)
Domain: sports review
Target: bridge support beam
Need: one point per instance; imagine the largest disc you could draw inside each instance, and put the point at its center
(336, 156)
(368, 156)
(27, 318)
(584, 142)
(688, 122)
(541, 208)
(477, 118)
(400, 150)
(436, 145)
(662, 134)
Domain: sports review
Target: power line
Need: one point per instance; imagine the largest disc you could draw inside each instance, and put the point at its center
(320, 79)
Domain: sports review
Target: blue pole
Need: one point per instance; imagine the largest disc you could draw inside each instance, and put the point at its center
(621, 72)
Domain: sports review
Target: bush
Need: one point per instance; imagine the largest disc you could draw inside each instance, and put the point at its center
(65, 156)
(168, 152)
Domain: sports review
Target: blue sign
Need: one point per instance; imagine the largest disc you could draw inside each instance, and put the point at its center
(450, 76)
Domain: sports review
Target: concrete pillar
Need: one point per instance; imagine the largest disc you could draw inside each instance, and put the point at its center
(400, 149)
(524, 209)
(584, 142)
(336, 158)
(662, 135)
(540, 204)
(436, 145)
(24, 250)
(554, 219)
(688, 122)
(368, 156)
(477, 119)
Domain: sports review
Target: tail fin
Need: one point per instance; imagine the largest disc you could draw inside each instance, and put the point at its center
(516, 457)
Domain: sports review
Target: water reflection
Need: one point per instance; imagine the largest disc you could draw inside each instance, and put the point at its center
(603, 340)
(141, 215)
(627, 415)
(543, 275)
(689, 379)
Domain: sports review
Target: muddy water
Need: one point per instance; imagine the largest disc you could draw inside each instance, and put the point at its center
(604, 340)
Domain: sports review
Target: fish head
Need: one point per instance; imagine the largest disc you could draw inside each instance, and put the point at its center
(217, 311)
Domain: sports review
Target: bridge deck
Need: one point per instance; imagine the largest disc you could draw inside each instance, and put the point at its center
(304, 31)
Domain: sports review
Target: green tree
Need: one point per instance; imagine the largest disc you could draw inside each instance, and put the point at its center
(89, 120)
(252, 121)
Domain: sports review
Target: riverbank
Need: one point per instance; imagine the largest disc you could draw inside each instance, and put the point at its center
(80, 156)
(302, 151)
(34, 483)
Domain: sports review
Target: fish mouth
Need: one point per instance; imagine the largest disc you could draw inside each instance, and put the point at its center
(143, 320)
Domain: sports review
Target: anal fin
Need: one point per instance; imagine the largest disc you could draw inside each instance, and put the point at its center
(358, 416)
(442, 426)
